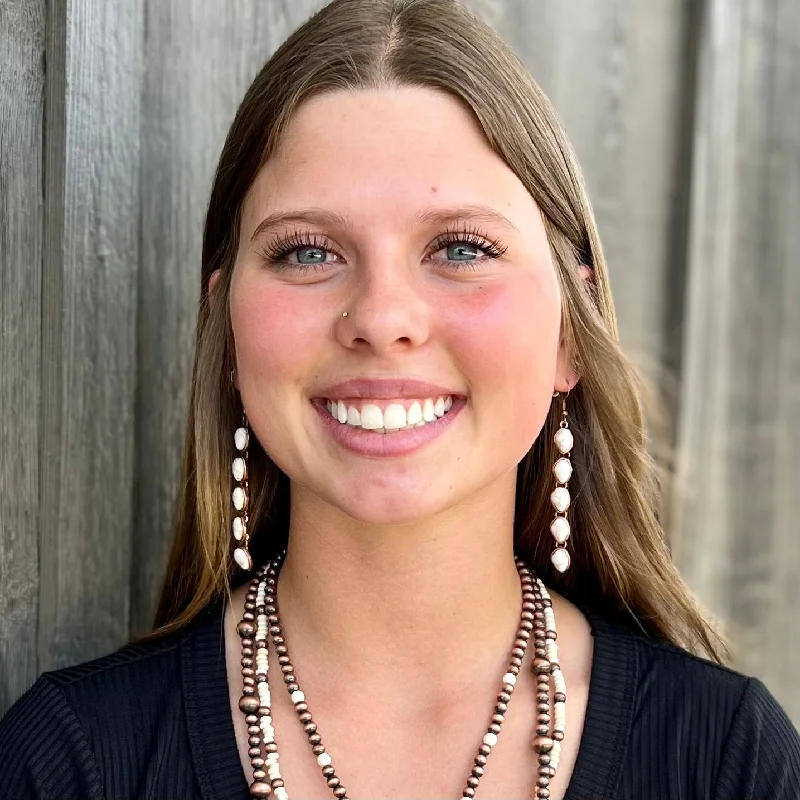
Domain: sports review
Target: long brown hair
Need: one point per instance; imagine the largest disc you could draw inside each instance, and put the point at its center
(620, 559)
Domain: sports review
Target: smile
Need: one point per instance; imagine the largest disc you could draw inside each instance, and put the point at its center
(388, 428)
(389, 417)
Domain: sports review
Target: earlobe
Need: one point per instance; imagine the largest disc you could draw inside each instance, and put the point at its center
(567, 376)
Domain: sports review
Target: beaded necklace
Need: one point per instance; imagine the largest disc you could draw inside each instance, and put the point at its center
(261, 619)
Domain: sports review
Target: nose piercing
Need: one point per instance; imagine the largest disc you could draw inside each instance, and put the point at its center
(344, 313)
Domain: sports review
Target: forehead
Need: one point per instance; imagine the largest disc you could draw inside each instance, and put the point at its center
(391, 149)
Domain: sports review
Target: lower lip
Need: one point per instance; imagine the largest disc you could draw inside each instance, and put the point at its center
(397, 443)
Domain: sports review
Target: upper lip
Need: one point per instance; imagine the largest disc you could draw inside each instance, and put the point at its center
(383, 388)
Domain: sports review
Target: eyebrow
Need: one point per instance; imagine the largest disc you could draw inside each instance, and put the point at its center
(313, 216)
(444, 216)
(431, 216)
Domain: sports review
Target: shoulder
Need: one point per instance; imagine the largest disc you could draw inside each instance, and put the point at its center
(725, 728)
(665, 667)
(142, 672)
(762, 749)
(52, 740)
(131, 689)
(43, 748)
(663, 672)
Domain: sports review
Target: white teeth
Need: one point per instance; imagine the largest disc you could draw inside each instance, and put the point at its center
(414, 414)
(394, 417)
(371, 417)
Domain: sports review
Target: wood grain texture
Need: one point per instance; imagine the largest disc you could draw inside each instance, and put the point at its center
(615, 73)
(200, 59)
(736, 504)
(91, 254)
(21, 111)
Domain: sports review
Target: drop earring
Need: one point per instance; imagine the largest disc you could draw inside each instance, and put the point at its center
(240, 496)
(560, 498)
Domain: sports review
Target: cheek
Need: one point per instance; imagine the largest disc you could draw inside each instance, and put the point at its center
(508, 331)
(506, 339)
(274, 337)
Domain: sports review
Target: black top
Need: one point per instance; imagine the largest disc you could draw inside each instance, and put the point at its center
(153, 722)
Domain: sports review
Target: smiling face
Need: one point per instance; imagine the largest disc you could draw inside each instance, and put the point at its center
(389, 204)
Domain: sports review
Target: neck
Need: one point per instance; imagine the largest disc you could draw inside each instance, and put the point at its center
(403, 607)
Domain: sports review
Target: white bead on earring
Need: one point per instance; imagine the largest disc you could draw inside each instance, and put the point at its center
(560, 497)
(239, 496)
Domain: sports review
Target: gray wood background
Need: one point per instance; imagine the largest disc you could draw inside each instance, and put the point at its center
(686, 117)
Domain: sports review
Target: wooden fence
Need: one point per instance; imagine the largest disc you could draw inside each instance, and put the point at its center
(686, 117)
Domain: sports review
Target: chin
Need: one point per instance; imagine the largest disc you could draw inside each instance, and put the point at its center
(387, 506)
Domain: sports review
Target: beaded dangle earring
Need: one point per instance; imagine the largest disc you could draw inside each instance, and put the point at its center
(560, 498)
(240, 494)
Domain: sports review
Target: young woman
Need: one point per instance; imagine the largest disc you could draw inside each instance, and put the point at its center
(415, 553)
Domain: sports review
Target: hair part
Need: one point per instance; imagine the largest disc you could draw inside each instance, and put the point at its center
(620, 558)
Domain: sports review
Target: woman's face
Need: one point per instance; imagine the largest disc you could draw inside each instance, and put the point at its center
(389, 204)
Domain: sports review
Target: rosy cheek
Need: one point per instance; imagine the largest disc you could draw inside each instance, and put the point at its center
(504, 338)
(505, 328)
(275, 329)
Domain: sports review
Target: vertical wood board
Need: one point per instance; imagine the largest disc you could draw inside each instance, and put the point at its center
(91, 255)
(21, 111)
(736, 505)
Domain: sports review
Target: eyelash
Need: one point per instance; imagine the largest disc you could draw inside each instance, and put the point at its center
(493, 248)
(276, 252)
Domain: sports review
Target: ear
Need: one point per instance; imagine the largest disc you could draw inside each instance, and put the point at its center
(567, 376)
(212, 281)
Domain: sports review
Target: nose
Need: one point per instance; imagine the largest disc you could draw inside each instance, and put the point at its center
(387, 311)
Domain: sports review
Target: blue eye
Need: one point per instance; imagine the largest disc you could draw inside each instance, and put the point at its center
(462, 251)
(300, 253)
(465, 247)
(311, 255)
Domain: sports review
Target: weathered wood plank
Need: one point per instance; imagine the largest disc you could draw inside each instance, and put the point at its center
(736, 505)
(200, 60)
(615, 72)
(781, 667)
(21, 110)
(92, 199)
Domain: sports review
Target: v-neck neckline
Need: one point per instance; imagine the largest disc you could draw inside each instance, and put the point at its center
(606, 728)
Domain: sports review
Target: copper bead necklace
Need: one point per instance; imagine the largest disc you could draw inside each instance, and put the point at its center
(261, 619)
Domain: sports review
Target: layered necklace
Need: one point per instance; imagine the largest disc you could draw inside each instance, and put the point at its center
(262, 620)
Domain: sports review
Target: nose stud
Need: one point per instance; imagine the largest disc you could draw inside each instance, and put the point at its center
(344, 313)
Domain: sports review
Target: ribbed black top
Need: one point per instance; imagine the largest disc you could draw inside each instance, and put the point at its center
(153, 722)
